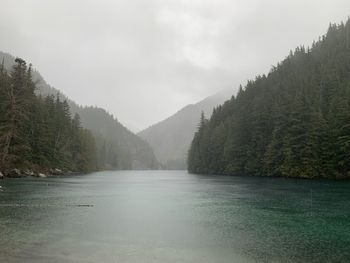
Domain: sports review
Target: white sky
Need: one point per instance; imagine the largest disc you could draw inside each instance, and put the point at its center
(143, 60)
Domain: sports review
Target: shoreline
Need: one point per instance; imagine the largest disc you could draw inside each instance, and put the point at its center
(16, 173)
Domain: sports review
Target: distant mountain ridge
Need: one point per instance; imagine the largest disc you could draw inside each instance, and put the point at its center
(171, 138)
(118, 147)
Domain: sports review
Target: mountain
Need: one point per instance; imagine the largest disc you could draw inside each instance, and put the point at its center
(171, 138)
(294, 122)
(118, 148)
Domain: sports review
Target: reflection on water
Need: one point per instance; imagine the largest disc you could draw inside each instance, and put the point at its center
(172, 216)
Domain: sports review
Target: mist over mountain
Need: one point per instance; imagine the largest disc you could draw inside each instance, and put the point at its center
(118, 148)
(171, 138)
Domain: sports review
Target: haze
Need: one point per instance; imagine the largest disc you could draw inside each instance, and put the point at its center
(144, 60)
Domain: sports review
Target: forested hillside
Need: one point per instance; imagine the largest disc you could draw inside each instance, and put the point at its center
(117, 147)
(39, 133)
(171, 138)
(294, 122)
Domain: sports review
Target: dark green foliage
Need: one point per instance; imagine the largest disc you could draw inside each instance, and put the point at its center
(36, 132)
(116, 146)
(294, 122)
(171, 138)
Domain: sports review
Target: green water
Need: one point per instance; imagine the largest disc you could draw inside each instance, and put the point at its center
(172, 216)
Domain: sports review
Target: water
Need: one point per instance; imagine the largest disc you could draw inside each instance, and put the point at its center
(172, 216)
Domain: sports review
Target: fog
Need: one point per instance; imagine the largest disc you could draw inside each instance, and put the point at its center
(144, 60)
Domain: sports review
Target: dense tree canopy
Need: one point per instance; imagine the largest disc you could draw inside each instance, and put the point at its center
(116, 146)
(39, 133)
(294, 122)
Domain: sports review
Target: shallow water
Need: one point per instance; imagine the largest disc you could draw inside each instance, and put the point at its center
(173, 216)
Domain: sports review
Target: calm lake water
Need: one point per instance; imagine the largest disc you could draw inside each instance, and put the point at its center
(173, 216)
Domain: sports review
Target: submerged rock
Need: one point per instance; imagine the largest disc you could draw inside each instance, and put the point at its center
(56, 171)
(42, 175)
(39, 175)
(29, 173)
(14, 173)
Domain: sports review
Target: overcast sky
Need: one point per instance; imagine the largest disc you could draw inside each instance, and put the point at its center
(143, 60)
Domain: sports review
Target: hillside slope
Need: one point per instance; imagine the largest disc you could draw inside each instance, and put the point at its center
(294, 122)
(118, 147)
(171, 138)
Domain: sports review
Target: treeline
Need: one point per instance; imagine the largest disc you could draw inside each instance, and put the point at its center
(39, 133)
(118, 148)
(294, 122)
(108, 145)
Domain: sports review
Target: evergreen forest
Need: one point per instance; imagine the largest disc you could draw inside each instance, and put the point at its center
(99, 140)
(39, 133)
(292, 122)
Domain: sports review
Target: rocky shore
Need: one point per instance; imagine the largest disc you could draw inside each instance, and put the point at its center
(18, 173)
